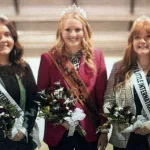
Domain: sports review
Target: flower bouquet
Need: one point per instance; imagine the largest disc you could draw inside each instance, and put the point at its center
(57, 105)
(8, 114)
(126, 120)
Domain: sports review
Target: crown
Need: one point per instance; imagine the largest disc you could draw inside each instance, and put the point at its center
(3, 17)
(142, 18)
(72, 9)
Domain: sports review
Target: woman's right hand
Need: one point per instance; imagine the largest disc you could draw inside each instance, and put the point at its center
(65, 125)
(145, 129)
(19, 136)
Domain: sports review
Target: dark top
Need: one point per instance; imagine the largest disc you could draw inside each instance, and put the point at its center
(10, 82)
(8, 77)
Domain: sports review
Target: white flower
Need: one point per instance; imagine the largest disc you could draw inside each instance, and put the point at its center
(116, 113)
(67, 108)
(7, 115)
(67, 101)
(59, 92)
(118, 108)
(70, 112)
(54, 100)
(2, 114)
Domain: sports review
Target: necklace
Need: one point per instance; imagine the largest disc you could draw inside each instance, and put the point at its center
(2, 65)
(145, 67)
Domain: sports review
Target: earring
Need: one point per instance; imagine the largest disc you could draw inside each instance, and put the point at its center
(15, 53)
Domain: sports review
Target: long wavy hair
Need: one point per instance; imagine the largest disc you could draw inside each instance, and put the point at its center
(130, 57)
(86, 42)
(15, 56)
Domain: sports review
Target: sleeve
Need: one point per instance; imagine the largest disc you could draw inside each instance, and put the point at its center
(101, 85)
(44, 72)
(109, 97)
(31, 107)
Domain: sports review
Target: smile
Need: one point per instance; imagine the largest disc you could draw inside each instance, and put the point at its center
(3, 46)
(143, 47)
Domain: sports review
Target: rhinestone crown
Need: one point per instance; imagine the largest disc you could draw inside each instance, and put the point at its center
(72, 9)
(3, 17)
(142, 19)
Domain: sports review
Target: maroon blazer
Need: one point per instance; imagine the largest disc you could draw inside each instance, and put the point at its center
(95, 83)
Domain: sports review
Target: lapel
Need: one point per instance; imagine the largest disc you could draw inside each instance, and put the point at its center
(124, 95)
(86, 74)
(1, 82)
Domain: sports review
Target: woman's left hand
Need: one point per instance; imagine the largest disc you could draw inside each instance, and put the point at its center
(19, 136)
(145, 129)
(102, 142)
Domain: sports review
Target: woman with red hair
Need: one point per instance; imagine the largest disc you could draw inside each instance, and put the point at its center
(128, 85)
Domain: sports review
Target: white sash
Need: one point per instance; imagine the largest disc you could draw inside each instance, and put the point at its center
(139, 81)
(6, 98)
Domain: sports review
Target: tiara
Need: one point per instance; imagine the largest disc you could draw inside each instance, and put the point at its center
(142, 18)
(3, 17)
(72, 9)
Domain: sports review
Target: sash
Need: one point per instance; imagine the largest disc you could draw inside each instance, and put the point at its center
(77, 85)
(142, 88)
(7, 99)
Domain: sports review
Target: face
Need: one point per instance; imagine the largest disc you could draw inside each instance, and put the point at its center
(141, 44)
(72, 34)
(6, 41)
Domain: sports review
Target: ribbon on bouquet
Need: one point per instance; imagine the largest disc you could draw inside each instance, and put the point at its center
(134, 126)
(73, 121)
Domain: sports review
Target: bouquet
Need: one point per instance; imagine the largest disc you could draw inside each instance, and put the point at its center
(126, 120)
(57, 105)
(8, 114)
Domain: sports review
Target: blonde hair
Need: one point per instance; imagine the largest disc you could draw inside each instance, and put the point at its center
(86, 43)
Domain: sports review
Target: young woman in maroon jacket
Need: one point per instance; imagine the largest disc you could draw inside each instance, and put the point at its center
(73, 49)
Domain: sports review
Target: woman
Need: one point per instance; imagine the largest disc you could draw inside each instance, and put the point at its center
(17, 79)
(128, 85)
(74, 50)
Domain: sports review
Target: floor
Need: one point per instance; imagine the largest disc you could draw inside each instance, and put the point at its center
(109, 147)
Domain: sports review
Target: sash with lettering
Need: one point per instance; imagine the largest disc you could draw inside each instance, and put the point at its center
(77, 85)
(139, 81)
(6, 98)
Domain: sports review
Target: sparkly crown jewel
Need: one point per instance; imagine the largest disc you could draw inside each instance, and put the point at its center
(142, 18)
(3, 17)
(72, 9)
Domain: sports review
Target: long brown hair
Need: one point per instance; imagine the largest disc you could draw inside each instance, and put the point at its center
(15, 56)
(86, 43)
(129, 58)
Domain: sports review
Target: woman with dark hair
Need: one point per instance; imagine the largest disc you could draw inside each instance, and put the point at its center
(77, 66)
(129, 85)
(17, 79)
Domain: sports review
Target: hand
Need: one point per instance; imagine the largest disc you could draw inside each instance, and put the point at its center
(145, 129)
(65, 125)
(19, 136)
(102, 142)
